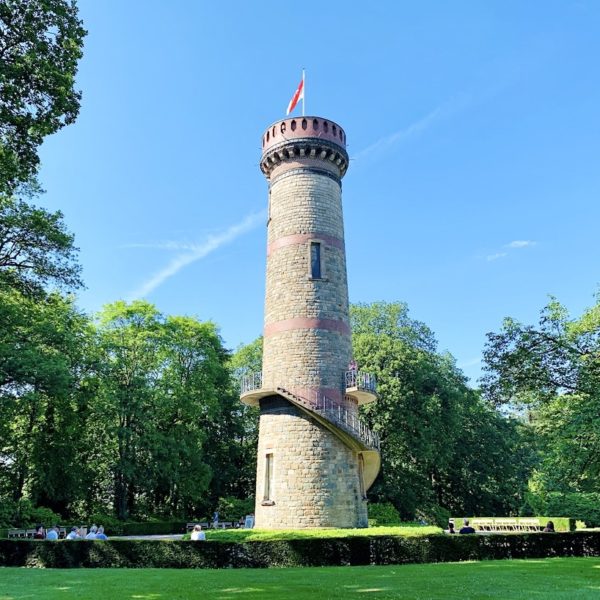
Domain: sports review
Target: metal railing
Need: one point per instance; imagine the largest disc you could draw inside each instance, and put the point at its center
(361, 380)
(338, 414)
(334, 411)
(250, 382)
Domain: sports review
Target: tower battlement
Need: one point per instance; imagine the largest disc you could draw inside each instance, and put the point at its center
(304, 138)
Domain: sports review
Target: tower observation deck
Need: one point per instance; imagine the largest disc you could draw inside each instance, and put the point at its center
(316, 459)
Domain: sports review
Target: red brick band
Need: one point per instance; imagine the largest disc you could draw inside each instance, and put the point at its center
(306, 323)
(302, 238)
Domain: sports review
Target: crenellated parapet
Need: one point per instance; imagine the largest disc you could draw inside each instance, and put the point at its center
(304, 141)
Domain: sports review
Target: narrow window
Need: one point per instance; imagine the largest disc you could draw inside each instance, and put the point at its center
(269, 209)
(315, 260)
(268, 478)
(361, 476)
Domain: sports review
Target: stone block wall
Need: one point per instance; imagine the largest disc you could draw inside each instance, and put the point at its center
(315, 476)
(315, 479)
(307, 333)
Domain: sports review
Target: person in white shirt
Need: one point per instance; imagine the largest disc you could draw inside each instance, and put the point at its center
(197, 534)
(52, 533)
(101, 535)
(92, 534)
(74, 535)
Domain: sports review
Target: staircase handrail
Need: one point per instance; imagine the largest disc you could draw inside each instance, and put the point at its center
(339, 415)
(361, 380)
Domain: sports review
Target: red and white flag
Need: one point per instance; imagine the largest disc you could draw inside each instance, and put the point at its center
(298, 95)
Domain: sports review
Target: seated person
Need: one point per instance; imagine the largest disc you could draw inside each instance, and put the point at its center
(39, 534)
(466, 528)
(52, 533)
(549, 528)
(92, 534)
(100, 535)
(74, 534)
(451, 527)
(197, 534)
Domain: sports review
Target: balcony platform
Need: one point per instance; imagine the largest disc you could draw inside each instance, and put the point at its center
(252, 397)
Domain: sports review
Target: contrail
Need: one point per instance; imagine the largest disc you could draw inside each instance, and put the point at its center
(193, 253)
(412, 129)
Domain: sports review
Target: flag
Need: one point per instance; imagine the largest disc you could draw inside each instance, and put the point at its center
(298, 94)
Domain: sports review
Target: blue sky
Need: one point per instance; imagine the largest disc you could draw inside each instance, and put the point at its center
(473, 128)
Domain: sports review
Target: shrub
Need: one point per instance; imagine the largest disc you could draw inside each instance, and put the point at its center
(435, 515)
(24, 514)
(112, 525)
(384, 513)
(154, 528)
(585, 507)
(231, 509)
(365, 550)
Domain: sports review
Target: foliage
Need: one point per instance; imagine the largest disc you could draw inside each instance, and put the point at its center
(315, 551)
(269, 535)
(40, 45)
(35, 248)
(551, 372)
(391, 320)
(443, 448)
(23, 514)
(581, 506)
(231, 509)
(163, 388)
(383, 513)
(246, 359)
(153, 528)
(134, 414)
(43, 344)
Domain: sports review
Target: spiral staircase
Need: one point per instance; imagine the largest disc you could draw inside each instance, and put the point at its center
(334, 416)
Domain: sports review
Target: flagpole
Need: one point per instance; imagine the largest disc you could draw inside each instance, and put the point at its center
(303, 92)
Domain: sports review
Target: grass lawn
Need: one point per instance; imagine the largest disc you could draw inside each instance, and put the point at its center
(267, 535)
(544, 579)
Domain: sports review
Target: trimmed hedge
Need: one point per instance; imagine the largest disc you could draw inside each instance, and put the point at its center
(154, 528)
(295, 553)
(560, 523)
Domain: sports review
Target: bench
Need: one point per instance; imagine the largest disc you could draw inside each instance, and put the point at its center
(190, 526)
(29, 533)
(530, 525)
(483, 524)
(507, 524)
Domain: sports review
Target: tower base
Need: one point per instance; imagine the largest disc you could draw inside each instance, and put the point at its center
(306, 476)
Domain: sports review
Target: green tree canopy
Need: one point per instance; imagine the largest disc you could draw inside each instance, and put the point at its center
(552, 372)
(40, 45)
(43, 347)
(442, 447)
(35, 248)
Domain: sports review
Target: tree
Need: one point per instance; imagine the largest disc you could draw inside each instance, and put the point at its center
(552, 372)
(245, 360)
(42, 369)
(35, 248)
(165, 401)
(442, 447)
(40, 45)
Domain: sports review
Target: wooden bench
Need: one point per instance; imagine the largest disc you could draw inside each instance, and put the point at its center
(29, 533)
(190, 526)
(530, 525)
(483, 524)
(17, 533)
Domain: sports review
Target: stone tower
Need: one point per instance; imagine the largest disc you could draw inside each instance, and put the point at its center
(316, 460)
